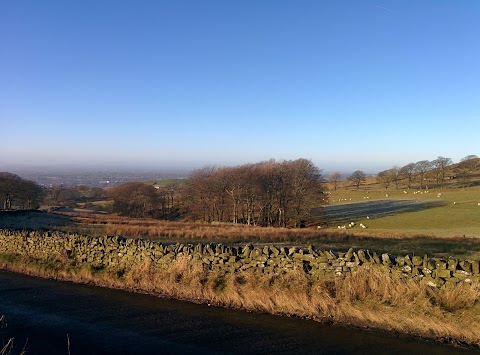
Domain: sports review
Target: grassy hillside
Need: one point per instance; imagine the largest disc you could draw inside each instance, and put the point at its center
(456, 212)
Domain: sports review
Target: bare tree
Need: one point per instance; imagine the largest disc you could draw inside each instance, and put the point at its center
(408, 172)
(385, 178)
(269, 193)
(421, 168)
(306, 187)
(395, 173)
(467, 167)
(357, 178)
(334, 179)
(440, 166)
(135, 199)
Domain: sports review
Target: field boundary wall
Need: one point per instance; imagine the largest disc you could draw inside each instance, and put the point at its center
(118, 253)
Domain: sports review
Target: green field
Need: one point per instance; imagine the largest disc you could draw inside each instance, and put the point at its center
(458, 217)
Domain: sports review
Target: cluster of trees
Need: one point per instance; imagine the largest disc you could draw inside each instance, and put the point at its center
(269, 193)
(137, 199)
(426, 173)
(19, 193)
(72, 196)
(467, 168)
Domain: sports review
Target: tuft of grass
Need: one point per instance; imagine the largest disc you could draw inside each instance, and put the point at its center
(9, 347)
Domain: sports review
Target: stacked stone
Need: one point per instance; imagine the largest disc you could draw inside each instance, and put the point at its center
(120, 253)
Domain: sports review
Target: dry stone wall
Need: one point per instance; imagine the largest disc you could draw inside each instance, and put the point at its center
(120, 253)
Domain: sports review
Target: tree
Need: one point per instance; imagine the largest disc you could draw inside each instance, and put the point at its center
(408, 172)
(469, 157)
(467, 167)
(440, 166)
(306, 188)
(385, 178)
(334, 179)
(421, 168)
(18, 192)
(268, 193)
(395, 173)
(357, 178)
(135, 199)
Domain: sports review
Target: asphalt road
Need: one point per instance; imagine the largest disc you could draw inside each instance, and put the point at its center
(50, 317)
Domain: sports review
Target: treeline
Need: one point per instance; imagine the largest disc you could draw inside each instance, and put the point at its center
(432, 173)
(423, 174)
(137, 199)
(269, 193)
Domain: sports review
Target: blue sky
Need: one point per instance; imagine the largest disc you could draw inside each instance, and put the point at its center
(348, 84)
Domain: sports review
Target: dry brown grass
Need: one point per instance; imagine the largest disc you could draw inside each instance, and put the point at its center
(8, 347)
(153, 228)
(369, 297)
(188, 232)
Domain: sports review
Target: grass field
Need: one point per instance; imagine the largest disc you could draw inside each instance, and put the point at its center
(458, 217)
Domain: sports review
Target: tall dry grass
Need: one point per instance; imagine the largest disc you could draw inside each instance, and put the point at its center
(188, 232)
(153, 228)
(8, 347)
(368, 298)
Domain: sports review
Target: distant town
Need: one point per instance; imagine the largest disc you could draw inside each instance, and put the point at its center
(96, 179)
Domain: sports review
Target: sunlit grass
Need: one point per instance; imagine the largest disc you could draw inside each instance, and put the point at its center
(458, 218)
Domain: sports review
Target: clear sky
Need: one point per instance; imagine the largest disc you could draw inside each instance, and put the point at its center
(348, 84)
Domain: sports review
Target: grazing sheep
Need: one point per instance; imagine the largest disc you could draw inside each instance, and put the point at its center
(386, 195)
(405, 192)
(363, 225)
(454, 203)
(368, 217)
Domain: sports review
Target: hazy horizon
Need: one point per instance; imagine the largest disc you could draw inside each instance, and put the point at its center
(350, 85)
(130, 169)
